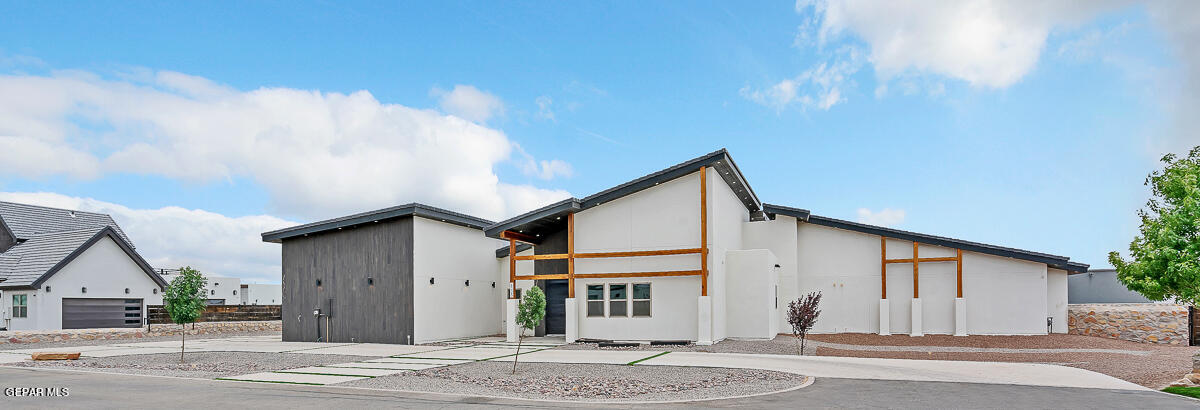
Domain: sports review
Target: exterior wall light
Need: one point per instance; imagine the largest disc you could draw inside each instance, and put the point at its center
(83, 290)
(468, 282)
(47, 289)
(493, 285)
(318, 282)
(126, 291)
(430, 281)
(370, 281)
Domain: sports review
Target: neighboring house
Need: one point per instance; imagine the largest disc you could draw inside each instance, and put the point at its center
(686, 253)
(219, 290)
(1101, 286)
(261, 294)
(65, 269)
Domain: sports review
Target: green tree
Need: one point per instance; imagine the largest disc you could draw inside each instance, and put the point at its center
(184, 300)
(530, 312)
(1166, 255)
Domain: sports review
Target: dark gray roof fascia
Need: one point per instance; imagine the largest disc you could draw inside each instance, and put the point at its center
(1054, 261)
(733, 178)
(569, 205)
(107, 231)
(1076, 267)
(417, 209)
(771, 210)
(521, 247)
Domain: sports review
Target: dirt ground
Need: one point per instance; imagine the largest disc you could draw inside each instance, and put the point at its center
(1161, 365)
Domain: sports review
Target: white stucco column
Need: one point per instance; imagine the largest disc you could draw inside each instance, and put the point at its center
(916, 318)
(572, 313)
(511, 320)
(960, 317)
(704, 335)
(885, 317)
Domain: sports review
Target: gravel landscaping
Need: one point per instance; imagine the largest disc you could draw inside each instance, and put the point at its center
(200, 364)
(83, 342)
(587, 382)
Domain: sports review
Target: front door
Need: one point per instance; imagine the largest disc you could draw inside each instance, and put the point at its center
(556, 307)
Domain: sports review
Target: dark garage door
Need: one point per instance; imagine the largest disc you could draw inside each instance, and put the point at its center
(87, 313)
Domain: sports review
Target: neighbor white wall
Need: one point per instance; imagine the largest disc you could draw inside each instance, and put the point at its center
(1056, 298)
(263, 294)
(449, 308)
(752, 310)
(216, 287)
(103, 268)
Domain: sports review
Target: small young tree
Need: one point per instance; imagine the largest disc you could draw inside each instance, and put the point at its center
(1166, 255)
(802, 315)
(184, 300)
(530, 312)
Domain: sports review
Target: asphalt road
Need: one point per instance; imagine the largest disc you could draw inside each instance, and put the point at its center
(100, 391)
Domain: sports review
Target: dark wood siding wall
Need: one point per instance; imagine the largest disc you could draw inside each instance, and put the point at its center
(555, 242)
(343, 261)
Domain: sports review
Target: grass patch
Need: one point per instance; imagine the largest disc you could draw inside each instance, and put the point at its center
(646, 358)
(1184, 391)
(267, 381)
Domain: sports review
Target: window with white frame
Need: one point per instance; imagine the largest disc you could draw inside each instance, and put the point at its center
(640, 298)
(20, 306)
(595, 300)
(618, 300)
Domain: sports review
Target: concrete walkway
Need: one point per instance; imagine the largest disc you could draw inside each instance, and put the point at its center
(963, 349)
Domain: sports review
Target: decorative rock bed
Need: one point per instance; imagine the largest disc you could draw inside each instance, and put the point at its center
(588, 382)
(196, 364)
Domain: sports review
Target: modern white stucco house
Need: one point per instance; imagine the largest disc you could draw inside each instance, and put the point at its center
(691, 253)
(261, 294)
(219, 290)
(65, 269)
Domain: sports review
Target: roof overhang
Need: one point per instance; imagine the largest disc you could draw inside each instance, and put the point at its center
(772, 210)
(108, 232)
(425, 211)
(1053, 261)
(550, 217)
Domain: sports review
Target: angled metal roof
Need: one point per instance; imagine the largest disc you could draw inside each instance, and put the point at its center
(1053, 261)
(521, 247)
(26, 220)
(720, 160)
(40, 256)
(771, 210)
(426, 211)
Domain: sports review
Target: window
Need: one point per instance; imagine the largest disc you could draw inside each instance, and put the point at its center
(641, 299)
(617, 297)
(20, 306)
(595, 300)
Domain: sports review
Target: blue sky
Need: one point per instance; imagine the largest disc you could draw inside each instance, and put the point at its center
(1022, 125)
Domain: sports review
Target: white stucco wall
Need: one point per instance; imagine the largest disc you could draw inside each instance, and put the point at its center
(523, 268)
(216, 287)
(263, 294)
(779, 236)
(751, 308)
(449, 308)
(727, 216)
(844, 267)
(1056, 298)
(103, 268)
(663, 217)
(1004, 296)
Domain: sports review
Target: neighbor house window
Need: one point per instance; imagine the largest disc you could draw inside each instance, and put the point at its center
(617, 296)
(595, 300)
(641, 299)
(20, 306)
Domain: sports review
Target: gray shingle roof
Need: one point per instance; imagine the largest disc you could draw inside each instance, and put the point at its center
(23, 264)
(26, 221)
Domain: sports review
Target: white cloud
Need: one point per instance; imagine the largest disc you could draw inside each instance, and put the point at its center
(885, 217)
(469, 102)
(544, 169)
(1180, 20)
(316, 154)
(987, 43)
(545, 107)
(819, 87)
(171, 237)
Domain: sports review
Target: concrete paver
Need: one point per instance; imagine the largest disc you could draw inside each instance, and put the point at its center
(372, 349)
(471, 353)
(385, 365)
(570, 356)
(293, 378)
(417, 360)
(344, 371)
(1032, 374)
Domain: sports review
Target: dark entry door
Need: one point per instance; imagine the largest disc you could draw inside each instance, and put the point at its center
(556, 307)
(87, 313)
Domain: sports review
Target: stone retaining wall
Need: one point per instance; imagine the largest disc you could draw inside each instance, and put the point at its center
(209, 328)
(1135, 322)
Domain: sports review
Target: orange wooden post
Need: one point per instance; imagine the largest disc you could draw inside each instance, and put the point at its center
(512, 268)
(958, 256)
(916, 272)
(883, 265)
(571, 255)
(703, 231)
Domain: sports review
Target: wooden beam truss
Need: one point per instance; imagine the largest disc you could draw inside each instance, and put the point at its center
(916, 260)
